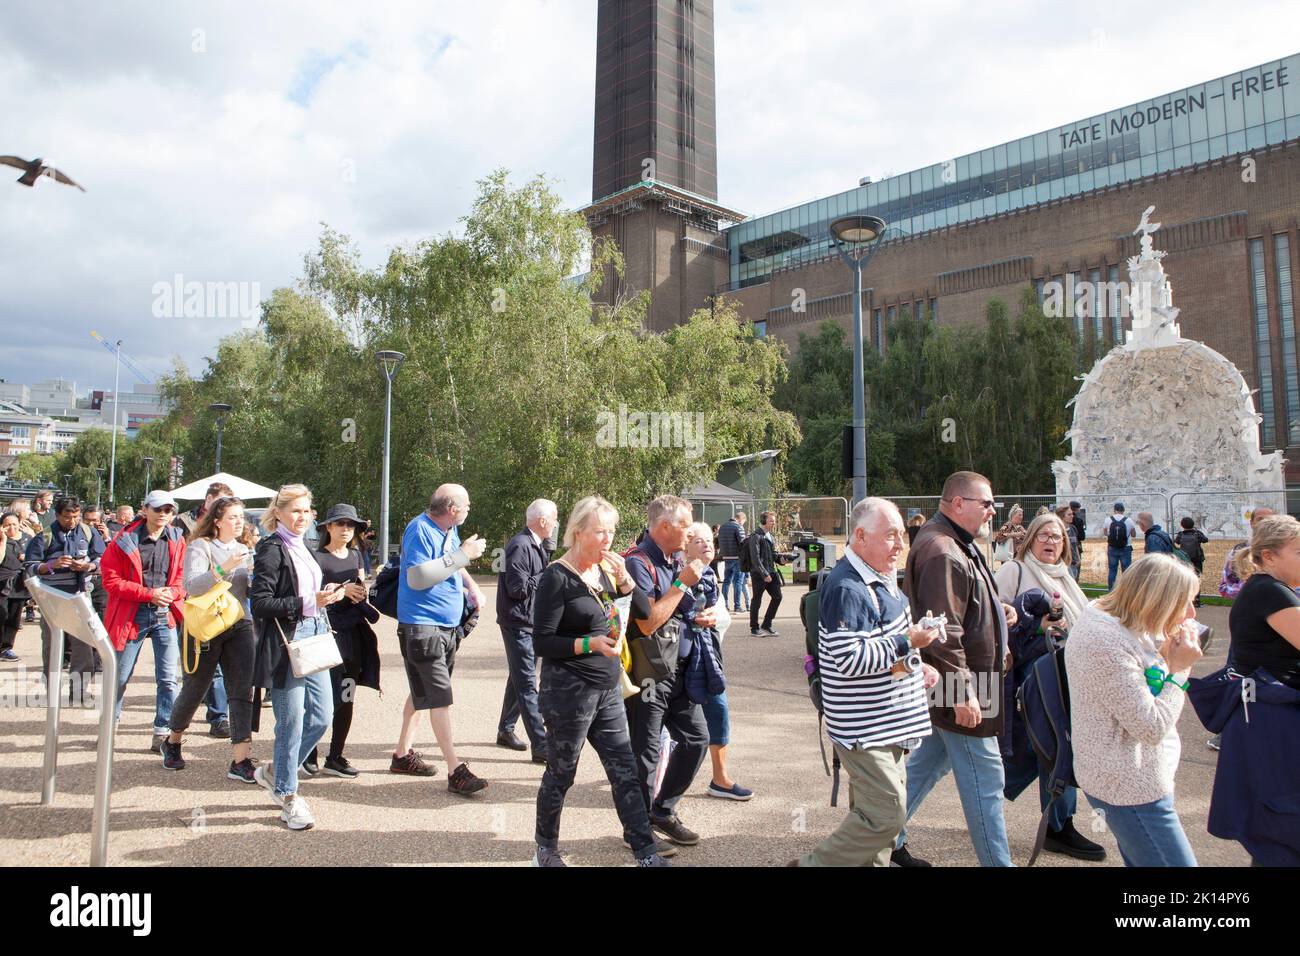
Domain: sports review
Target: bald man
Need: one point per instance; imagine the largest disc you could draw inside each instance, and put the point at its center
(432, 588)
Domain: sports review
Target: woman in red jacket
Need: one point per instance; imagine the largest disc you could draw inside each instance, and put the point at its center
(142, 571)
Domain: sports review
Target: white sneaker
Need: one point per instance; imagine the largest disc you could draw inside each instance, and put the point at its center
(266, 780)
(296, 814)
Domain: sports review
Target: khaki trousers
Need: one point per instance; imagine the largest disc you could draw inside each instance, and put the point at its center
(877, 809)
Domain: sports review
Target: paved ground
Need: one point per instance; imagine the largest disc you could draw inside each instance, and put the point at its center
(198, 817)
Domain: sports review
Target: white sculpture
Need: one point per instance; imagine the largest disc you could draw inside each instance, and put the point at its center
(1160, 415)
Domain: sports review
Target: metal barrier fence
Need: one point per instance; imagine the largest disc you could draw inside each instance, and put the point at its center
(72, 614)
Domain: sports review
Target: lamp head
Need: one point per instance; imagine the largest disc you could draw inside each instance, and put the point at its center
(858, 229)
(389, 362)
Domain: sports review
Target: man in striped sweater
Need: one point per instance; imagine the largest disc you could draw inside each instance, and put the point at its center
(873, 693)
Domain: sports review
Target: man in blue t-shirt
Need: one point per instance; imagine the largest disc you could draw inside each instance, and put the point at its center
(433, 586)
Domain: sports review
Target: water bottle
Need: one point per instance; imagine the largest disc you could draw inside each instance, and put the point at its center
(1058, 611)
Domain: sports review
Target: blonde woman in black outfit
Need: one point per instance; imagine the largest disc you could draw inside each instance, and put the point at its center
(575, 634)
(339, 557)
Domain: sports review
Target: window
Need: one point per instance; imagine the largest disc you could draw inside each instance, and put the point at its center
(1098, 308)
(20, 431)
(1115, 305)
(1286, 316)
(760, 329)
(934, 310)
(880, 332)
(1263, 352)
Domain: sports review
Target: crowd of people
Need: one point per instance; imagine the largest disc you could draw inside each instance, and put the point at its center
(919, 677)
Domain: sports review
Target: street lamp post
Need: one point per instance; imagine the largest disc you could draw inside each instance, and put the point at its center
(67, 484)
(148, 475)
(99, 488)
(221, 410)
(117, 381)
(389, 363)
(856, 239)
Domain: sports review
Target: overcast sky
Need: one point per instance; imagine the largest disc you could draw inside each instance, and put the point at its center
(214, 138)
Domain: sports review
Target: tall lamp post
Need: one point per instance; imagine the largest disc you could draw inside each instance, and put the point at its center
(148, 475)
(856, 239)
(389, 363)
(99, 488)
(67, 484)
(117, 381)
(221, 410)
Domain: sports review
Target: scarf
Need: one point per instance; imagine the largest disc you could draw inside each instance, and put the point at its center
(1056, 577)
(304, 566)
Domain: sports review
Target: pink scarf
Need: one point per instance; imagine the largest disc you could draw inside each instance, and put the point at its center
(304, 566)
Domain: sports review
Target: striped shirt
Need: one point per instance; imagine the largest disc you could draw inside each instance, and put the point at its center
(862, 631)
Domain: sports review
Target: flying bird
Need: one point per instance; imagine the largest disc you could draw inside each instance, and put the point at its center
(35, 169)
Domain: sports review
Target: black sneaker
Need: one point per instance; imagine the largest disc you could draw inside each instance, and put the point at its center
(171, 754)
(770, 632)
(755, 632)
(310, 767)
(539, 756)
(654, 859)
(243, 771)
(339, 767)
(412, 763)
(901, 857)
(511, 742)
(463, 782)
(1071, 842)
(221, 729)
(673, 828)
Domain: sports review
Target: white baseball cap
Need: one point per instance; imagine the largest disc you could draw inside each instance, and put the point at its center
(157, 498)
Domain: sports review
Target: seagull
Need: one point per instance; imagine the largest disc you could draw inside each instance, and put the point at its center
(35, 169)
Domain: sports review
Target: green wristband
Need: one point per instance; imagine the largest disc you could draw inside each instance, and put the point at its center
(682, 587)
(586, 645)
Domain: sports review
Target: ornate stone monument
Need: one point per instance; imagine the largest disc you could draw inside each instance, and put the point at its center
(1160, 415)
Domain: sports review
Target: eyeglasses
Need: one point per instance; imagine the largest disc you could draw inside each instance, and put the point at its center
(165, 510)
(1049, 538)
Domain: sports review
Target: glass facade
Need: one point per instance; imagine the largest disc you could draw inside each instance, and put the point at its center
(1114, 306)
(1263, 352)
(1256, 107)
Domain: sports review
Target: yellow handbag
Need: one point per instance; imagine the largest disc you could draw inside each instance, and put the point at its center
(207, 615)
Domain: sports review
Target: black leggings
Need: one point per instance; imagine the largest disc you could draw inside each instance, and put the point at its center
(234, 649)
(11, 622)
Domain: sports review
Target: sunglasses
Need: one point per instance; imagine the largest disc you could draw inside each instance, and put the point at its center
(986, 503)
(165, 510)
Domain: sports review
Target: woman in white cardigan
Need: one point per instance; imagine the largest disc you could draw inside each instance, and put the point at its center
(1127, 658)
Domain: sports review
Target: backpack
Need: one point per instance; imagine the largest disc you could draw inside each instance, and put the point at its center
(1190, 544)
(1117, 535)
(383, 595)
(1043, 702)
(746, 563)
(810, 616)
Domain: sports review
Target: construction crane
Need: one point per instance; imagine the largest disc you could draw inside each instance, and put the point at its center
(142, 374)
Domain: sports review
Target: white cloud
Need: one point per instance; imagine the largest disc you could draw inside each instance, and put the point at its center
(378, 118)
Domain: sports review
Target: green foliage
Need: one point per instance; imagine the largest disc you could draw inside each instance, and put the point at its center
(1005, 387)
(506, 375)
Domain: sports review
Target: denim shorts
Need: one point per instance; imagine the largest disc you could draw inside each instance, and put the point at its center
(429, 652)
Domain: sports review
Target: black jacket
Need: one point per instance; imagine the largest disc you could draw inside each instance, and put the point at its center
(274, 599)
(523, 565)
(11, 570)
(763, 557)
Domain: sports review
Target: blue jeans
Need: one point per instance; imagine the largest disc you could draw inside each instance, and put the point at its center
(1115, 559)
(731, 582)
(166, 665)
(303, 709)
(1148, 834)
(717, 717)
(976, 766)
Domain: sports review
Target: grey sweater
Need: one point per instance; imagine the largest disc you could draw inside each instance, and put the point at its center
(200, 556)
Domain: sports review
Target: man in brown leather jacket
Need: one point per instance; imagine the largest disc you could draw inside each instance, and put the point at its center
(947, 573)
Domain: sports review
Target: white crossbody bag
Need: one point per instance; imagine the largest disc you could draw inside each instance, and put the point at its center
(311, 655)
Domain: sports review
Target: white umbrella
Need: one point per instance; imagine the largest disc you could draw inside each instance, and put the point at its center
(242, 487)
